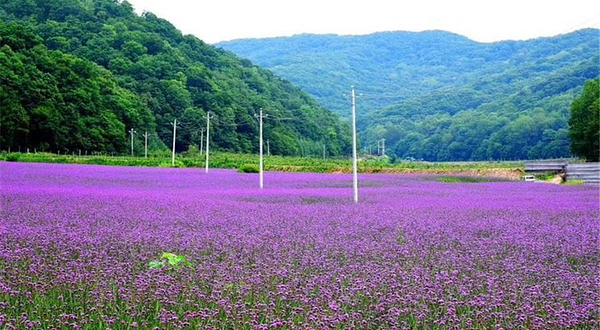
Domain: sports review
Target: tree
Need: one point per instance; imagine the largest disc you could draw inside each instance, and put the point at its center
(584, 129)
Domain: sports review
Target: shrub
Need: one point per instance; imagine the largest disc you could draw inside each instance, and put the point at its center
(178, 164)
(248, 168)
(12, 157)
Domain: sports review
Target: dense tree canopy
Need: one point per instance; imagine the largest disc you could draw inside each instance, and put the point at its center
(584, 124)
(78, 74)
(440, 96)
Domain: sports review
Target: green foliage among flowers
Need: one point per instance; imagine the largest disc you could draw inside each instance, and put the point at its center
(170, 259)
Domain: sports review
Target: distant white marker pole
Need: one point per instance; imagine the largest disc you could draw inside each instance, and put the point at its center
(207, 139)
(260, 148)
(174, 134)
(354, 161)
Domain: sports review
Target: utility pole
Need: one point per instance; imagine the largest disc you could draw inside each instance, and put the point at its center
(207, 138)
(381, 147)
(174, 135)
(201, 141)
(268, 148)
(354, 161)
(132, 131)
(260, 147)
(145, 144)
(323, 152)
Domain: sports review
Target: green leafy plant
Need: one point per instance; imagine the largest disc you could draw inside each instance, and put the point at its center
(173, 260)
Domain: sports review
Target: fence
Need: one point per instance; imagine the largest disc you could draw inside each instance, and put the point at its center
(587, 172)
(546, 167)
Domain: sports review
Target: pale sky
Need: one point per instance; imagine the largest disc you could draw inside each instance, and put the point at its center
(485, 21)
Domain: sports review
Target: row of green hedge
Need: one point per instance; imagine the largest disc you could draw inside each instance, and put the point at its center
(244, 162)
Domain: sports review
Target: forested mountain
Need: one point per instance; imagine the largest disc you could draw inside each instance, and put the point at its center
(78, 74)
(440, 96)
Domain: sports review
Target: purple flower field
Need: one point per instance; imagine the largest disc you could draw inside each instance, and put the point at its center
(76, 242)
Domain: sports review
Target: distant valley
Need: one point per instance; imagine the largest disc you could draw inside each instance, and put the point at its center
(435, 95)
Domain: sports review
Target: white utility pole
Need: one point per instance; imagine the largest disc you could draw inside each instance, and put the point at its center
(207, 138)
(145, 144)
(131, 131)
(323, 152)
(201, 141)
(260, 148)
(354, 161)
(174, 134)
(383, 147)
(268, 148)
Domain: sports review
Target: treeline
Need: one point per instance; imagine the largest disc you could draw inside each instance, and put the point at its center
(439, 96)
(78, 74)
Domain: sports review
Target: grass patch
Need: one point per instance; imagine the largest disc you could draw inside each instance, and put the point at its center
(573, 182)
(468, 179)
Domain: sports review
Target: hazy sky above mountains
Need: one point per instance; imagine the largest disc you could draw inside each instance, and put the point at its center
(482, 20)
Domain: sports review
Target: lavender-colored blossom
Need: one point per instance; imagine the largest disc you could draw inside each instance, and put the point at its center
(76, 241)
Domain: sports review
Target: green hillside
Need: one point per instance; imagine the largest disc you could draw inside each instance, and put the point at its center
(440, 96)
(78, 74)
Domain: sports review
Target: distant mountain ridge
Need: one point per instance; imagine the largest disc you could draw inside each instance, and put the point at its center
(423, 90)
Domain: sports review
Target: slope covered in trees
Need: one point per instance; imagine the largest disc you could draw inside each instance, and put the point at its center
(440, 96)
(77, 74)
(584, 124)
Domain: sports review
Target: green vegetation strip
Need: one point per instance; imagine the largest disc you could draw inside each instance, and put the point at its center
(248, 163)
(469, 179)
